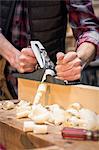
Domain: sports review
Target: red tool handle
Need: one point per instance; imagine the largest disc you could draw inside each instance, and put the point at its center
(79, 134)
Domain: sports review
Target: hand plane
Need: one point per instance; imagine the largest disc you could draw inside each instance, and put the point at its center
(46, 70)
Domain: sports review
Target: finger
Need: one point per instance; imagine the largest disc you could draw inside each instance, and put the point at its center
(28, 52)
(69, 57)
(29, 69)
(70, 72)
(24, 66)
(76, 77)
(60, 57)
(71, 64)
(70, 75)
(22, 70)
(64, 67)
(60, 68)
(27, 62)
(23, 59)
(60, 78)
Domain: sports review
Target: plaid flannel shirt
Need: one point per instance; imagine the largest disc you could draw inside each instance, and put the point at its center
(20, 26)
(20, 38)
(83, 22)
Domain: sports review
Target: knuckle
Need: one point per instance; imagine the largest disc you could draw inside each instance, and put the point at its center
(23, 49)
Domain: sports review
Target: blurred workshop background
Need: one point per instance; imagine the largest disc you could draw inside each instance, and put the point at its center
(90, 75)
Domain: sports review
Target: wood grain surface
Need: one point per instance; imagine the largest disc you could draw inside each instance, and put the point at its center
(13, 137)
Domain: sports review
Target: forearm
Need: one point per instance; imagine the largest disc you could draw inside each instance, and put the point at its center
(86, 52)
(7, 50)
(85, 26)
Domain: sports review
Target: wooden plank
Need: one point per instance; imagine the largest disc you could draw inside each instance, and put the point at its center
(63, 95)
(13, 137)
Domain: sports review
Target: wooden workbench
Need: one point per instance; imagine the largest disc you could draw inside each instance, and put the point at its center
(13, 137)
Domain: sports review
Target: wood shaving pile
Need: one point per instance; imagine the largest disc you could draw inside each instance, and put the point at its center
(74, 116)
(7, 105)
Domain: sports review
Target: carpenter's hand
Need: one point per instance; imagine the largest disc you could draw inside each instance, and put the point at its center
(68, 66)
(26, 61)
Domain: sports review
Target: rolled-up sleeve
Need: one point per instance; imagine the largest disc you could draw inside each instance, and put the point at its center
(84, 23)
